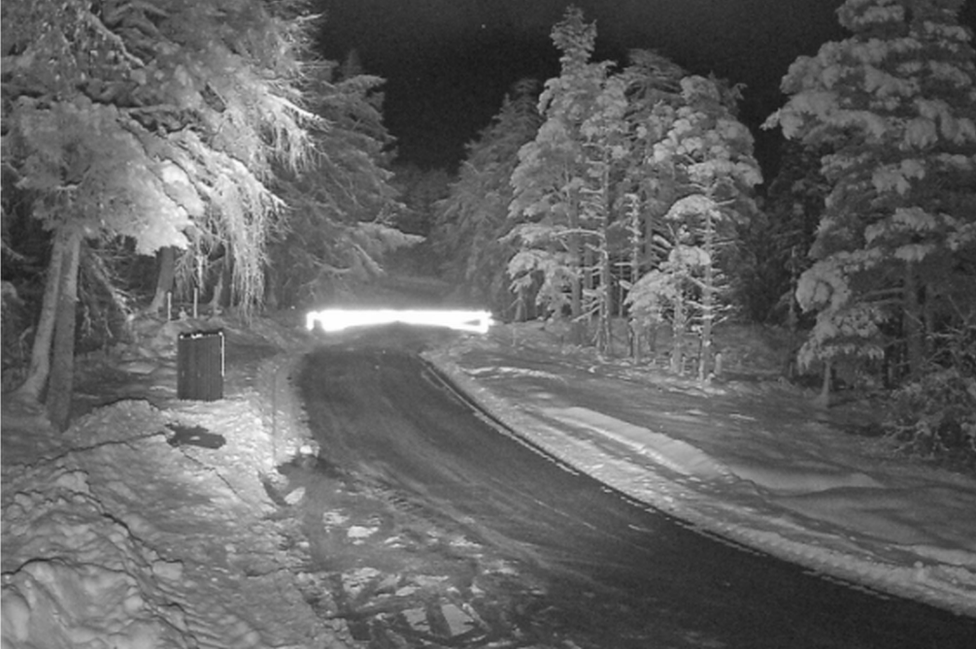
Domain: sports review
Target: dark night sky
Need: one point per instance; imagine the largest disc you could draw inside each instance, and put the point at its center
(449, 63)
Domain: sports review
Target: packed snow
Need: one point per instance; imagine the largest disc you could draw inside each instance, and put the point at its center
(126, 532)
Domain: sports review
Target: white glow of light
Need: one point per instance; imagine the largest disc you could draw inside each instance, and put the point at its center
(330, 320)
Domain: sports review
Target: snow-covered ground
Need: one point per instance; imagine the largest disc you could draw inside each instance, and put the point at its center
(130, 531)
(114, 535)
(758, 463)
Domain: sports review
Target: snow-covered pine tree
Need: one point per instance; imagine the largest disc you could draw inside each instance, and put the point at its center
(708, 153)
(338, 230)
(547, 201)
(472, 222)
(662, 294)
(419, 189)
(778, 239)
(605, 148)
(896, 104)
(647, 189)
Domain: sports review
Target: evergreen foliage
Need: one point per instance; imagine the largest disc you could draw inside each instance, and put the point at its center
(605, 145)
(896, 106)
(472, 222)
(159, 121)
(706, 154)
(781, 234)
(338, 227)
(646, 189)
(630, 178)
(548, 203)
(419, 189)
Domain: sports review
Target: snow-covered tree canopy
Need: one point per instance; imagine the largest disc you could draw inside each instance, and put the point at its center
(472, 220)
(705, 154)
(342, 203)
(157, 120)
(549, 180)
(895, 105)
(622, 163)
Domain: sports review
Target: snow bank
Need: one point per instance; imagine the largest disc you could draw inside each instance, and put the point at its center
(676, 455)
(84, 570)
(126, 541)
(796, 478)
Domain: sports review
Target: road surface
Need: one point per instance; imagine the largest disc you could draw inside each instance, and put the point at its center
(547, 557)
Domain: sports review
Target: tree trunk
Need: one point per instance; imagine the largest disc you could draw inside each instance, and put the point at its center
(223, 295)
(708, 301)
(708, 319)
(912, 323)
(604, 342)
(606, 297)
(678, 327)
(40, 364)
(61, 383)
(589, 302)
(215, 299)
(929, 306)
(576, 265)
(824, 399)
(166, 260)
(604, 337)
(636, 240)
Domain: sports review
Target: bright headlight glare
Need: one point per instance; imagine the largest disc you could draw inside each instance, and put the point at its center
(331, 320)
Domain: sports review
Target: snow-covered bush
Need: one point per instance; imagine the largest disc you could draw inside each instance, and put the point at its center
(936, 416)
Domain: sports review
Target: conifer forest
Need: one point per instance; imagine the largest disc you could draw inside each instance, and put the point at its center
(166, 153)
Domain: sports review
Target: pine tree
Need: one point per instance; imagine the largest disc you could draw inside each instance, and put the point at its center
(547, 202)
(708, 154)
(339, 228)
(605, 147)
(896, 105)
(472, 222)
(778, 239)
(647, 188)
